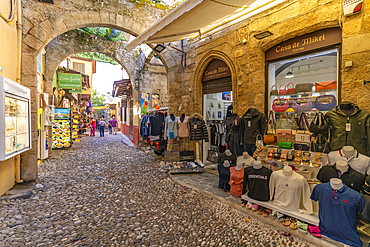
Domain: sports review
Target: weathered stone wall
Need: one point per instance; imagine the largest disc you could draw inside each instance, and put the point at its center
(154, 80)
(43, 22)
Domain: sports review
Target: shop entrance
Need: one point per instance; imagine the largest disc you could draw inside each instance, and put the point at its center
(217, 106)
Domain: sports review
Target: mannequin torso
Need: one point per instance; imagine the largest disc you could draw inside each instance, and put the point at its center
(342, 166)
(288, 171)
(245, 159)
(182, 117)
(348, 151)
(257, 164)
(239, 166)
(228, 152)
(336, 183)
(347, 108)
(172, 117)
(226, 163)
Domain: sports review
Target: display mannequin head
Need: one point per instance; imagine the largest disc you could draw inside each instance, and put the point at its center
(336, 183)
(182, 117)
(347, 108)
(172, 116)
(257, 164)
(348, 151)
(226, 163)
(246, 155)
(239, 166)
(228, 152)
(342, 166)
(288, 171)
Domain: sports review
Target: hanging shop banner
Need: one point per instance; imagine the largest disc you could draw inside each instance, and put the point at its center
(155, 100)
(145, 102)
(215, 70)
(226, 95)
(69, 81)
(305, 43)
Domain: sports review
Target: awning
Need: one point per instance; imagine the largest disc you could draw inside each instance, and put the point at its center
(194, 18)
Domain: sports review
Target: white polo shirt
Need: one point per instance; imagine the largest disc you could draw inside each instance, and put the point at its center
(358, 162)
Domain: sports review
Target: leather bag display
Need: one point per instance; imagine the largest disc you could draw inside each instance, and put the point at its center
(303, 136)
(325, 106)
(301, 146)
(325, 85)
(213, 156)
(270, 139)
(282, 89)
(277, 107)
(259, 141)
(302, 107)
(274, 91)
(319, 147)
(280, 132)
(290, 88)
(285, 145)
(303, 87)
(319, 125)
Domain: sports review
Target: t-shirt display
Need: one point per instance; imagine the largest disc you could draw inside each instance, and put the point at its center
(258, 183)
(236, 181)
(337, 212)
(358, 162)
(224, 177)
(231, 159)
(288, 191)
(351, 178)
(245, 162)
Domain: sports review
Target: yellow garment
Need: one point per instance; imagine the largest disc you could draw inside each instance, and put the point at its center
(39, 112)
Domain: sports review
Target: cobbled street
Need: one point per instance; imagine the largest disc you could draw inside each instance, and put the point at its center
(102, 192)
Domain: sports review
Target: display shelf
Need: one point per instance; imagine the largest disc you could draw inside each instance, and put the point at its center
(309, 92)
(308, 218)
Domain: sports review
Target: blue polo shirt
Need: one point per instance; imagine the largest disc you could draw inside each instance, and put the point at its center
(337, 212)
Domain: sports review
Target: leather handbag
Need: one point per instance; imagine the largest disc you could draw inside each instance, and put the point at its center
(274, 91)
(270, 139)
(320, 147)
(280, 108)
(290, 88)
(303, 137)
(325, 85)
(213, 156)
(301, 146)
(280, 132)
(319, 124)
(285, 145)
(328, 106)
(259, 142)
(304, 107)
(282, 90)
(303, 87)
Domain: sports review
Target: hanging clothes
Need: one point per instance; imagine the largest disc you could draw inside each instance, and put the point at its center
(198, 130)
(236, 181)
(233, 128)
(170, 127)
(183, 127)
(154, 132)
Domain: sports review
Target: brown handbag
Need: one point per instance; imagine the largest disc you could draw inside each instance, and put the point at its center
(270, 139)
(303, 87)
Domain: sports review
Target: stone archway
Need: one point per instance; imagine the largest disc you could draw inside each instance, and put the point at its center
(43, 22)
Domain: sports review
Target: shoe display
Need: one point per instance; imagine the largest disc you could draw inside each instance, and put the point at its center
(249, 205)
(266, 212)
(284, 156)
(286, 221)
(302, 227)
(273, 214)
(277, 154)
(255, 207)
(263, 153)
(306, 158)
(270, 155)
(293, 224)
(279, 216)
(257, 152)
(316, 162)
(290, 156)
(260, 210)
(297, 158)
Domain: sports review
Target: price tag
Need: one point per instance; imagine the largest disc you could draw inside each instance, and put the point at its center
(195, 126)
(249, 123)
(348, 127)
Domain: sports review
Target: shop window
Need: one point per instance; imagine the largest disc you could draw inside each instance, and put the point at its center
(80, 67)
(307, 83)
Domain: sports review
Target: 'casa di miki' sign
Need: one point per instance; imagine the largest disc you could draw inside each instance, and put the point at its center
(215, 70)
(69, 81)
(305, 43)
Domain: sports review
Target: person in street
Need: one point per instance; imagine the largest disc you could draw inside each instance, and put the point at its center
(113, 124)
(93, 126)
(102, 125)
(110, 126)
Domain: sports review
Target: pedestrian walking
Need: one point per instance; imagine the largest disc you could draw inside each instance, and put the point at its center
(113, 123)
(92, 126)
(102, 125)
(110, 127)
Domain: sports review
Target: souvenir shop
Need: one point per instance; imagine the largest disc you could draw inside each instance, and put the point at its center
(306, 162)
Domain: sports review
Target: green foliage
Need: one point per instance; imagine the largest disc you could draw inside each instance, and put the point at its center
(105, 32)
(97, 99)
(96, 56)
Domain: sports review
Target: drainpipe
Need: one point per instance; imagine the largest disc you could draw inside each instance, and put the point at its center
(17, 158)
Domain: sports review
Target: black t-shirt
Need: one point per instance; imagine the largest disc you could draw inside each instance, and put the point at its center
(258, 183)
(224, 176)
(231, 158)
(351, 178)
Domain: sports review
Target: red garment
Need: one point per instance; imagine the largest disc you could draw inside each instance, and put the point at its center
(236, 181)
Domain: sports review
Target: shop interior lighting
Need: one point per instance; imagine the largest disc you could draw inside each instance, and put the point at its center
(289, 75)
(159, 48)
(263, 35)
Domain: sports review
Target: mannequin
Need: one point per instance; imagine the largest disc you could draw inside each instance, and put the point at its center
(347, 108)
(288, 171)
(245, 159)
(172, 117)
(342, 166)
(226, 163)
(228, 152)
(182, 117)
(239, 166)
(348, 151)
(336, 183)
(257, 164)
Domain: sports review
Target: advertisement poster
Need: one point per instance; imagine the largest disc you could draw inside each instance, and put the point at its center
(145, 102)
(226, 95)
(155, 100)
(69, 81)
(214, 109)
(62, 128)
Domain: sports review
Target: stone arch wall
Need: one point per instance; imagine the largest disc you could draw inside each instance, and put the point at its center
(43, 22)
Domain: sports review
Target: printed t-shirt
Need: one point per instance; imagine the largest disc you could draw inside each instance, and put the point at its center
(258, 183)
(337, 212)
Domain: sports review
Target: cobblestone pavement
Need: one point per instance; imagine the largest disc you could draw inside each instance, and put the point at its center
(104, 193)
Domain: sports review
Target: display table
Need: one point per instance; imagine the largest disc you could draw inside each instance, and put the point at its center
(308, 218)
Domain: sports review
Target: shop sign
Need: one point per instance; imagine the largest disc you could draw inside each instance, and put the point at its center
(351, 7)
(69, 81)
(145, 102)
(216, 69)
(155, 100)
(307, 42)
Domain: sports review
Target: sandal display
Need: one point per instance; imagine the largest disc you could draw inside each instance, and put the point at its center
(284, 156)
(257, 152)
(279, 216)
(302, 227)
(266, 212)
(316, 162)
(286, 221)
(263, 153)
(277, 154)
(293, 224)
(297, 158)
(306, 158)
(270, 155)
(290, 156)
